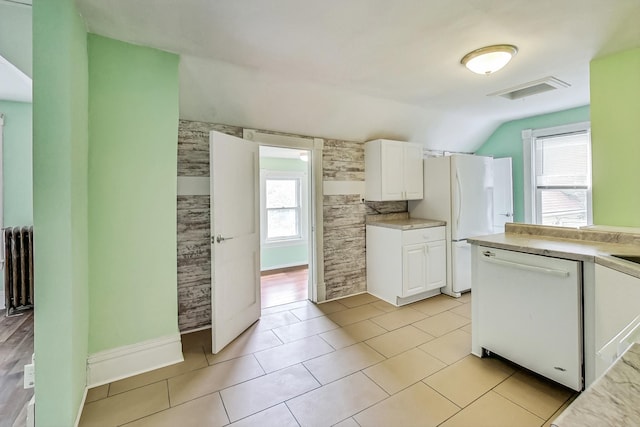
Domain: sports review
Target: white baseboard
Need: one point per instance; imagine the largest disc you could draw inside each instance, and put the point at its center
(122, 362)
(84, 399)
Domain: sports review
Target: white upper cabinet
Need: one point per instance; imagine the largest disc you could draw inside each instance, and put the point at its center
(393, 170)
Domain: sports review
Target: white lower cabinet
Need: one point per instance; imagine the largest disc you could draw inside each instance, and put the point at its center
(617, 315)
(404, 266)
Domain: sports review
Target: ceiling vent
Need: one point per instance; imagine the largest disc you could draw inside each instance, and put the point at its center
(532, 88)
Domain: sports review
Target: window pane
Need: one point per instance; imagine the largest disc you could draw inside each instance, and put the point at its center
(281, 193)
(563, 160)
(282, 223)
(567, 208)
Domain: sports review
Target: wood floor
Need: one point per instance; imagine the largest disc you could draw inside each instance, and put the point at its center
(284, 286)
(16, 348)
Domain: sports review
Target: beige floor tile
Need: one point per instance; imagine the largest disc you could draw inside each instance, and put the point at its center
(285, 307)
(304, 329)
(194, 358)
(316, 310)
(560, 410)
(441, 323)
(292, 353)
(212, 378)
(349, 422)
(398, 341)
(276, 320)
(540, 396)
(261, 393)
(385, 306)
(125, 407)
(468, 379)
(343, 362)
(277, 416)
(493, 410)
(356, 314)
(352, 334)
(450, 347)
(336, 401)
(466, 328)
(463, 310)
(357, 300)
(435, 305)
(97, 393)
(465, 298)
(418, 405)
(197, 339)
(398, 318)
(204, 411)
(401, 371)
(249, 341)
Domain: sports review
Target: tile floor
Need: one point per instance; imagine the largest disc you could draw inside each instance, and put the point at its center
(354, 362)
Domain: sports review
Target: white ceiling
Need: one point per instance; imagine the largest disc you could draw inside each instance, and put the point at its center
(362, 69)
(15, 50)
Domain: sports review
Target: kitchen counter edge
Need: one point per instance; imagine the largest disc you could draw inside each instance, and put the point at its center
(612, 400)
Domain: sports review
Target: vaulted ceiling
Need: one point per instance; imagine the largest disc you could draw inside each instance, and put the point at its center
(362, 69)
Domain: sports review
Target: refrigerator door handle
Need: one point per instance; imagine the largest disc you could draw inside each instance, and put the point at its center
(459, 197)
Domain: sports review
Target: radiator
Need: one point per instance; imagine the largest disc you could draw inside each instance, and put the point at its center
(18, 268)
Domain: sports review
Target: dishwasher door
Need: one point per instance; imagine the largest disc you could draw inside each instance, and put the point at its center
(530, 312)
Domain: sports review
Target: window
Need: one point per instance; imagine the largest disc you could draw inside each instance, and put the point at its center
(283, 195)
(559, 178)
(282, 200)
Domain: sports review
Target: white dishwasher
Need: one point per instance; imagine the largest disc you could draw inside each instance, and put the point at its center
(528, 309)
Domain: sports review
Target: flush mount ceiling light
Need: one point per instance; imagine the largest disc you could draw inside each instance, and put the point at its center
(489, 59)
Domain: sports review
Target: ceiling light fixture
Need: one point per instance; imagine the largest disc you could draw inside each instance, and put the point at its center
(489, 59)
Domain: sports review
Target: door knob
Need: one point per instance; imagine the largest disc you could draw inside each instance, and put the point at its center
(221, 239)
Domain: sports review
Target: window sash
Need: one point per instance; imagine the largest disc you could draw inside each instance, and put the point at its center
(536, 182)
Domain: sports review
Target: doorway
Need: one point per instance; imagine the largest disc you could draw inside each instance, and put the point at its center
(285, 224)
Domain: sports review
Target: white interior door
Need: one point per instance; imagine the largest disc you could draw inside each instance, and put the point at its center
(235, 237)
(502, 194)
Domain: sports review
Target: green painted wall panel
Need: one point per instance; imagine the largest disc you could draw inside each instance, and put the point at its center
(615, 100)
(60, 146)
(133, 129)
(506, 141)
(17, 163)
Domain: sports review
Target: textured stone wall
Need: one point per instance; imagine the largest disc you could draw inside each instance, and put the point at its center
(344, 223)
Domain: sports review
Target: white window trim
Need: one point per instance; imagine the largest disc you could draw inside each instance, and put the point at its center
(266, 174)
(528, 138)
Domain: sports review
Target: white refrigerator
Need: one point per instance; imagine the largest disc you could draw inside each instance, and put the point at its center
(458, 189)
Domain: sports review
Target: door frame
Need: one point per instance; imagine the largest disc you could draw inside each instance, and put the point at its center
(316, 290)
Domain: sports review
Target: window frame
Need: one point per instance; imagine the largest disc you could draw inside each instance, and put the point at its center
(302, 208)
(531, 194)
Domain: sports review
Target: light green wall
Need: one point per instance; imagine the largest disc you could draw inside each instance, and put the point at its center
(506, 141)
(60, 145)
(615, 111)
(276, 257)
(133, 129)
(17, 161)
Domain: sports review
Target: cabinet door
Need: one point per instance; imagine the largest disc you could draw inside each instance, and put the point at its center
(391, 164)
(413, 172)
(436, 265)
(414, 269)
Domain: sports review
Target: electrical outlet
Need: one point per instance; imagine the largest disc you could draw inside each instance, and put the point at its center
(29, 375)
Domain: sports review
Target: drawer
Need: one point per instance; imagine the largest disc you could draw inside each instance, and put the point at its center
(421, 235)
